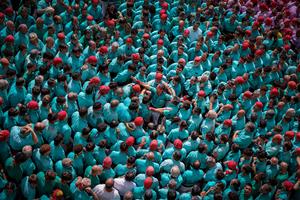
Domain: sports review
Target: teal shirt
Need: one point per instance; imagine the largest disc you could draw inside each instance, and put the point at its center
(14, 171)
(43, 163)
(16, 141)
(57, 152)
(192, 176)
(44, 186)
(159, 101)
(77, 162)
(27, 190)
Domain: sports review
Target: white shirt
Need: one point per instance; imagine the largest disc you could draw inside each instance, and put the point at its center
(104, 195)
(194, 35)
(123, 186)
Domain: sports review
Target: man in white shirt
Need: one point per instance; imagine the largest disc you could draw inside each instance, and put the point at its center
(125, 184)
(195, 32)
(107, 191)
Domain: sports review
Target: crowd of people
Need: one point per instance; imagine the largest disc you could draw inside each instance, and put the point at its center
(165, 99)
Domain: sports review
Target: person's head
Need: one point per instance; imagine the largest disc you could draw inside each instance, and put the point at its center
(96, 170)
(77, 149)
(19, 158)
(50, 175)
(211, 162)
(220, 175)
(66, 177)
(45, 150)
(82, 112)
(172, 194)
(32, 179)
(177, 155)
(128, 196)
(109, 183)
(148, 195)
(129, 176)
(175, 171)
(265, 188)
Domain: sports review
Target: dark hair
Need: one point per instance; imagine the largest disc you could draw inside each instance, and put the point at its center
(101, 127)
(148, 195)
(58, 139)
(129, 176)
(20, 157)
(171, 195)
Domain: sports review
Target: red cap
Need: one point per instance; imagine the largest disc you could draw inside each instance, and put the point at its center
(164, 5)
(153, 145)
(245, 45)
(292, 85)
(57, 61)
(129, 40)
(197, 59)
(130, 141)
(1, 101)
(273, 4)
(146, 36)
(4, 134)
(298, 136)
(104, 89)
(288, 185)
(162, 11)
(210, 34)
(107, 162)
(269, 21)
(92, 59)
(228, 122)
(260, 19)
(110, 23)
(259, 104)
(201, 93)
(61, 36)
(33, 105)
(164, 16)
(95, 80)
(4, 61)
(9, 10)
(160, 42)
(181, 61)
(138, 121)
(103, 49)
(178, 144)
(297, 151)
(136, 88)
(248, 32)
(264, 6)
(186, 32)
(256, 23)
(286, 47)
(90, 18)
(247, 94)
(9, 38)
(135, 56)
(148, 183)
(150, 171)
(2, 15)
(62, 115)
(259, 52)
(239, 80)
(158, 76)
(287, 37)
(95, 1)
(277, 137)
(274, 92)
(232, 165)
(290, 134)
